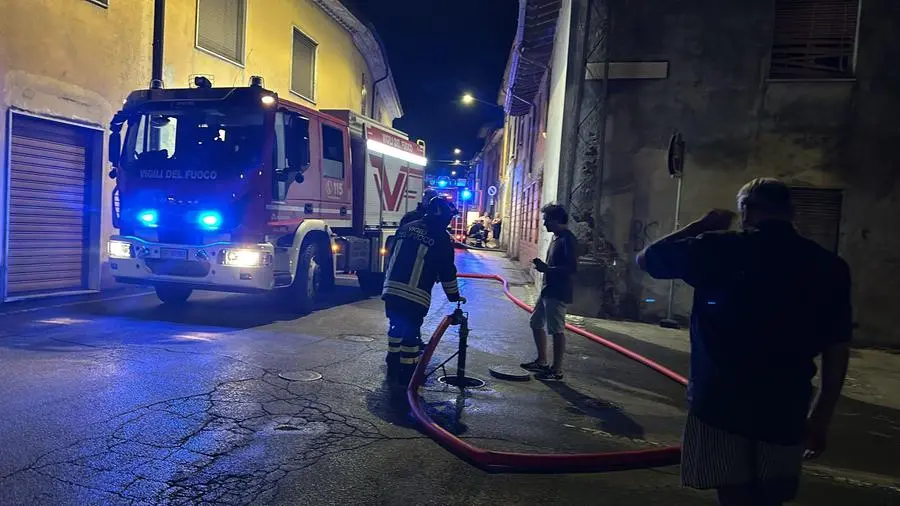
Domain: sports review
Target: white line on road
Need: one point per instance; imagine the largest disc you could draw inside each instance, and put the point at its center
(67, 304)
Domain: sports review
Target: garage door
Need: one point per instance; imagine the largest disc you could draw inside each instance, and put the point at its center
(47, 211)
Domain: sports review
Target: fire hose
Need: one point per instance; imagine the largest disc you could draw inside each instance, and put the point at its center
(514, 462)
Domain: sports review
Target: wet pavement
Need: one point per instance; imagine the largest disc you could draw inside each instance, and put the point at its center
(123, 401)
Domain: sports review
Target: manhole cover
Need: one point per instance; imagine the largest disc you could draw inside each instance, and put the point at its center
(464, 382)
(510, 372)
(359, 339)
(300, 376)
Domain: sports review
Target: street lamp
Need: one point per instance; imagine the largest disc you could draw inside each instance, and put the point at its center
(457, 151)
(468, 99)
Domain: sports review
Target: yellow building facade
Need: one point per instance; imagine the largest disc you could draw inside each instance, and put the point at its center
(66, 67)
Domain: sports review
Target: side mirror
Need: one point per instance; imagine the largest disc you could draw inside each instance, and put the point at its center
(115, 148)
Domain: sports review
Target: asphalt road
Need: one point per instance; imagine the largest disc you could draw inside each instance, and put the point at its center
(119, 400)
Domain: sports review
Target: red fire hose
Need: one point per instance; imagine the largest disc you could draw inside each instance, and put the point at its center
(512, 462)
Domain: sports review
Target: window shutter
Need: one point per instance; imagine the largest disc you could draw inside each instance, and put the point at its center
(304, 66)
(220, 28)
(817, 215)
(814, 38)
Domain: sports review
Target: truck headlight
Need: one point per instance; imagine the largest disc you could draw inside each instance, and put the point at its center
(120, 249)
(242, 258)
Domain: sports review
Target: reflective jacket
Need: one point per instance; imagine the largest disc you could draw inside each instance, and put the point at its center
(416, 214)
(421, 255)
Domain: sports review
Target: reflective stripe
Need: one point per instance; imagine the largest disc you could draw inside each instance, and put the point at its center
(407, 292)
(395, 248)
(403, 294)
(418, 266)
(394, 349)
(395, 340)
(409, 361)
(409, 349)
(450, 287)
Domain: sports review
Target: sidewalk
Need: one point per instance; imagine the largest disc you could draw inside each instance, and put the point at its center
(865, 437)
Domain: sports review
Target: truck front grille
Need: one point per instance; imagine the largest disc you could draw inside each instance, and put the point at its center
(187, 268)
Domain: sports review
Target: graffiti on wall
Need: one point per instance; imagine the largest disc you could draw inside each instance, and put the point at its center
(643, 233)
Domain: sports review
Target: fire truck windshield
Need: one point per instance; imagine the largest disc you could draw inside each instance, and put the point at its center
(208, 144)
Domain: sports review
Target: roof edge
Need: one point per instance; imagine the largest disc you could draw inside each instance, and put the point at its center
(366, 40)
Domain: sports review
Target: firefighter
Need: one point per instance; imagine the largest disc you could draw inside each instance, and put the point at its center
(422, 255)
(419, 212)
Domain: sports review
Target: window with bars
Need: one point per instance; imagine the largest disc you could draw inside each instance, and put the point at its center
(221, 28)
(814, 39)
(530, 213)
(303, 66)
(817, 214)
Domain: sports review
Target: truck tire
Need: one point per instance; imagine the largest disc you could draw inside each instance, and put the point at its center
(307, 283)
(173, 295)
(370, 282)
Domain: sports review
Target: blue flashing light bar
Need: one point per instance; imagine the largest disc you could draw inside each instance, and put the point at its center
(149, 218)
(210, 220)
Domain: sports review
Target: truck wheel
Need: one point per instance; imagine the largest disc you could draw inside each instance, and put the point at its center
(308, 282)
(370, 282)
(173, 294)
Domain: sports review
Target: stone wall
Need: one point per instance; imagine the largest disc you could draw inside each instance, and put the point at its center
(737, 124)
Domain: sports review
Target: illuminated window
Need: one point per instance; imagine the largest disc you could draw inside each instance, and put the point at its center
(220, 28)
(814, 39)
(303, 66)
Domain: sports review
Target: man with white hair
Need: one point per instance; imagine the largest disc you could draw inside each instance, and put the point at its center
(766, 303)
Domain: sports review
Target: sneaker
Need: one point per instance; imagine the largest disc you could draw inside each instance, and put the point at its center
(535, 366)
(549, 375)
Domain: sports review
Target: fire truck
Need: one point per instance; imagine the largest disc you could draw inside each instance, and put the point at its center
(239, 190)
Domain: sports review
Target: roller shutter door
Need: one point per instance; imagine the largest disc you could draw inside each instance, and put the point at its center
(817, 215)
(47, 243)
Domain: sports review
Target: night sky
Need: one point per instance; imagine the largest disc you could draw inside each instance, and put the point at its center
(438, 54)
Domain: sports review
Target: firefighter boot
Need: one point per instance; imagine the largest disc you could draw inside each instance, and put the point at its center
(392, 360)
(410, 351)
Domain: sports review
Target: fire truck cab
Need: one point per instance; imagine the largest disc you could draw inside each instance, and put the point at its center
(238, 190)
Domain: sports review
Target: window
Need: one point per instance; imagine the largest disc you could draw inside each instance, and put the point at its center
(230, 139)
(220, 28)
(364, 103)
(291, 151)
(332, 152)
(814, 39)
(303, 66)
(817, 215)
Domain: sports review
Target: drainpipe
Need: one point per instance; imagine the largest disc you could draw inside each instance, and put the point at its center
(159, 28)
(387, 72)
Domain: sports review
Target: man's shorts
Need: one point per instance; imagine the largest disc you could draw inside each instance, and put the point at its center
(715, 458)
(550, 313)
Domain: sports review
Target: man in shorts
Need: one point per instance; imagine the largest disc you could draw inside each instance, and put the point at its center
(556, 294)
(767, 301)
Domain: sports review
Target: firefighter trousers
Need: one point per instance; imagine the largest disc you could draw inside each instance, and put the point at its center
(404, 345)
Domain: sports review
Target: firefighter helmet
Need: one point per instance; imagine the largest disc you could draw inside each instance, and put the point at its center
(428, 195)
(440, 208)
